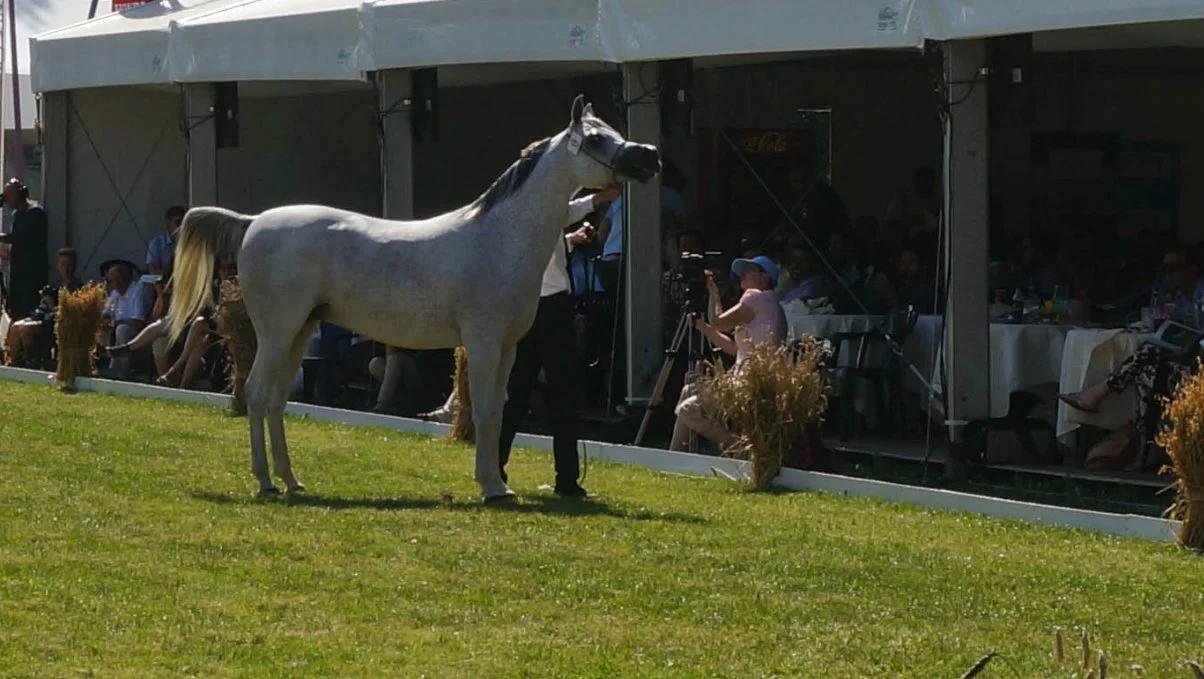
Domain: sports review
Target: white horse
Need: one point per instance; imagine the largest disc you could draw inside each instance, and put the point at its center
(470, 277)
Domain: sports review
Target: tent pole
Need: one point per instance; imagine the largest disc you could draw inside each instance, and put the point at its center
(19, 142)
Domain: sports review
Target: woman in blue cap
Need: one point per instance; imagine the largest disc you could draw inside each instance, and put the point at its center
(756, 319)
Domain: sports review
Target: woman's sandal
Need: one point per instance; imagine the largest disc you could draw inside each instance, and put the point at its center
(118, 350)
(164, 381)
(1073, 401)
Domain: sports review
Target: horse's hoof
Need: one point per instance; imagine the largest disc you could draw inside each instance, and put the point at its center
(299, 488)
(504, 498)
(270, 491)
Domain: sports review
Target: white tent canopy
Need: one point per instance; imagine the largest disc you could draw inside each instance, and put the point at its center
(248, 40)
(129, 48)
(959, 19)
(404, 33)
(270, 40)
(638, 30)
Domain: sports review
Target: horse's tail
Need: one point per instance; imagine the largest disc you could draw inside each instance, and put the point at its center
(206, 234)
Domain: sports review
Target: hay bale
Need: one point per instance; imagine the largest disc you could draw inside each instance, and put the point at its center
(767, 403)
(462, 428)
(238, 336)
(1183, 439)
(77, 330)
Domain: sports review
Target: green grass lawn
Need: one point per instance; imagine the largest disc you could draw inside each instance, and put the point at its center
(131, 545)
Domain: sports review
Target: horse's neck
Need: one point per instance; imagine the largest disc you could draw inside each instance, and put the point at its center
(535, 216)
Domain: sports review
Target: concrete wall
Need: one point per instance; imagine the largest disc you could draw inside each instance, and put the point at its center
(311, 148)
(134, 134)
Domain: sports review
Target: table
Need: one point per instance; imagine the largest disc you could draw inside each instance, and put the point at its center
(1089, 357)
(1022, 356)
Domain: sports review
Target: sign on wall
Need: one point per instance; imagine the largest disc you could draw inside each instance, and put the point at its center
(120, 5)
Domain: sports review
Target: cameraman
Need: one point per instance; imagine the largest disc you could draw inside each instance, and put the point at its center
(756, 319)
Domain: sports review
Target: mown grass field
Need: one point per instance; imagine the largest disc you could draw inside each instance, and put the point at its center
(131, 546)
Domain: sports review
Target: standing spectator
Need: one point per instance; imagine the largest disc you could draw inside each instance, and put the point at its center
(26, 252)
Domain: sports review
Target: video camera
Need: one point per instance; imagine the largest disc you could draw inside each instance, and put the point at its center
(685, 284)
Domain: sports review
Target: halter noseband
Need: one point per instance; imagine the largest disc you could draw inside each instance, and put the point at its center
(609, 163)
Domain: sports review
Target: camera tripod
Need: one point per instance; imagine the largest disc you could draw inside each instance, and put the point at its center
(695, 346)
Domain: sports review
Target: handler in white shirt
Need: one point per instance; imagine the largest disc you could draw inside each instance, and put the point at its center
(550, 344)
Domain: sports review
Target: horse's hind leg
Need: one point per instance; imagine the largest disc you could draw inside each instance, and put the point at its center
(257, 400)
(276, 400)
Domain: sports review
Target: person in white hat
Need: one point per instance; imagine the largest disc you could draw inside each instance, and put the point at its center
(756, 319)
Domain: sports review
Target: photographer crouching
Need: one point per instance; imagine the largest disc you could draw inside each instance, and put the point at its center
(756, 319)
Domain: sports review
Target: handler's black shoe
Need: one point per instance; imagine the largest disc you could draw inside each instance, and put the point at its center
(572, 490)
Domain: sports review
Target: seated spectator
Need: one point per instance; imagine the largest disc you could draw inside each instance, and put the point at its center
(1141, 371)
(756, 319)
(1179, 285)
(810, 281)
(915, 278)
(919, 207)
(30, 339)
(842, 256)
(199, 337)
(397, 373)
(126, 312)
(162, 249)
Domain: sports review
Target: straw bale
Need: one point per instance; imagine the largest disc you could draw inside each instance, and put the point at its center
(462, 428)
(77, 330)
(238, 336)
(768, 402)
(1182, 437)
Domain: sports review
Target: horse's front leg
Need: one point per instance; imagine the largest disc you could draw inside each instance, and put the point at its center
(489, 366)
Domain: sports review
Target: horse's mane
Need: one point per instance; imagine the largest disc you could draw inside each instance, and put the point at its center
(512, 179)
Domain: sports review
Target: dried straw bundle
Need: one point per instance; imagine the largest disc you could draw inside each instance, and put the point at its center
(234, 325)
(1183, 439)
(78, 332)
(767, 403)
(462, 429)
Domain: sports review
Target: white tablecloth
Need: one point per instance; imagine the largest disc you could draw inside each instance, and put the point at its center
(1090, 356)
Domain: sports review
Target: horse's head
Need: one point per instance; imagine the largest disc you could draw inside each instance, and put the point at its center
(601, 155)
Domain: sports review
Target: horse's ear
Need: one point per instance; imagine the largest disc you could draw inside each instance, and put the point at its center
(588, 112)
(577, 110)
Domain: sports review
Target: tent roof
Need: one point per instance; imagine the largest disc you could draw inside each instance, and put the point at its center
(125, 48)
(959, 19)
(638, 30)
(269, 40)
(208, 40)
(406, 33)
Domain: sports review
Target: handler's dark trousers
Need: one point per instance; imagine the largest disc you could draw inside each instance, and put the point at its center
(552, 345)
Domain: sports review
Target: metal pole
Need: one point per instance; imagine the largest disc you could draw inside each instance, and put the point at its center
(19, 143)
(92, 9)
(3, 64)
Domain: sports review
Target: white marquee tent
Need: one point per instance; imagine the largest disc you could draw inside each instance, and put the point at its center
(272, 42)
